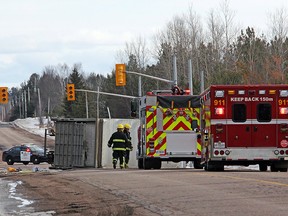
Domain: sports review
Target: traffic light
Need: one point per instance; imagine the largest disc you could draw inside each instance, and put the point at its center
(120, 75)
(3, 95)
(70, 92)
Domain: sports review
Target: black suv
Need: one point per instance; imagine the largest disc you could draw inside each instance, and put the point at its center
(24, 154)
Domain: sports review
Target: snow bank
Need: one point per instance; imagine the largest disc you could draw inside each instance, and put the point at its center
(32, 125)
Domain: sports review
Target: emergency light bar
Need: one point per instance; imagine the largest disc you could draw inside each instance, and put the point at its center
(283, 93)
(231, 92)
(241, 92)
(219, 93)
(262, 92)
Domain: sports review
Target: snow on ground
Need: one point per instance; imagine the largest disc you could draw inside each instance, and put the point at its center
(32, 125)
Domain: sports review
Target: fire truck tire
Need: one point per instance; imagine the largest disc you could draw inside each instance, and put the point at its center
(147, 164)
(273, 168)
(262, 167)
(140, 163)
(283, 169)
(213, 167)
(156, 164)
(197, 164)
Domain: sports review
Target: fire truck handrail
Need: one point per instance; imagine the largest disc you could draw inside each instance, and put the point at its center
(161, 91)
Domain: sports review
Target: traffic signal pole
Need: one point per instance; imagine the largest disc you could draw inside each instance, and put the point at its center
(153, 77)
(105, 93)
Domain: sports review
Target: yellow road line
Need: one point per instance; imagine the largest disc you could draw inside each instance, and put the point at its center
(247, 179)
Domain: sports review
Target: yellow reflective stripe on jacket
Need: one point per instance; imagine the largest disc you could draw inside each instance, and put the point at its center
(118, 140)
(119, 149)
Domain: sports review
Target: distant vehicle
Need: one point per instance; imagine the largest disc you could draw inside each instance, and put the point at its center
(24, 154)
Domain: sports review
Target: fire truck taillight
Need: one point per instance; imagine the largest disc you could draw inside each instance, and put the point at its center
(283, 110)
(220, 152)
(219, 111)
(151, 144)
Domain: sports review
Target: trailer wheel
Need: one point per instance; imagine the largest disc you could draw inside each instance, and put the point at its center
(140, 163)
(262, 167)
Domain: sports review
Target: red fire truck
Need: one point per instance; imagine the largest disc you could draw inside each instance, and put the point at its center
(245, 125)
(169, 128)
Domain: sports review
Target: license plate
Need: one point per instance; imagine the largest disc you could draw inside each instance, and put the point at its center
(161, 152)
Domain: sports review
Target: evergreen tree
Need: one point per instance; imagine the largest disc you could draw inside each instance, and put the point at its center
(77, 108)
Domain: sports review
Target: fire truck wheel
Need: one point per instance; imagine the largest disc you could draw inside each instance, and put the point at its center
(197, 165)
(262, 167)
(147, 164)
(214, 167)
(273, 168)
(157, 164)
(140, 163)
(283, 169)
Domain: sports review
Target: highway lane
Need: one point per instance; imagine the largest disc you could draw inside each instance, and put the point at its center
(194, 192)
(9, 199)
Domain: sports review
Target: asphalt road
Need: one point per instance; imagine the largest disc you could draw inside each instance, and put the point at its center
(156, 192)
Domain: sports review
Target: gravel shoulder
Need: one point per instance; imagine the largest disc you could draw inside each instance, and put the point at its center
(67, 195)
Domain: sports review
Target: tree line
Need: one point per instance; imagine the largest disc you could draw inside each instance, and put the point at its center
(225, 53)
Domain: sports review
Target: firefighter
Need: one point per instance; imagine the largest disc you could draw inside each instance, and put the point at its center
(129, 146)
(118, 141)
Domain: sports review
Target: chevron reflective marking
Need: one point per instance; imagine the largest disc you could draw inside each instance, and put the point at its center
(180, 119)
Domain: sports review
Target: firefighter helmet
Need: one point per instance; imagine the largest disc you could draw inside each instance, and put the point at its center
(127, 126)
(120, 126)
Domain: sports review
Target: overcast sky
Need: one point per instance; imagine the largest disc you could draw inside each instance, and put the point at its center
(39, 33)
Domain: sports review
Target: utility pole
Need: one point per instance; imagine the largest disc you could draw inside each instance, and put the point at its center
(48, 106)
(190, 76)
(25, 105)
(174, 70)
(40, 108)
(87, 111)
